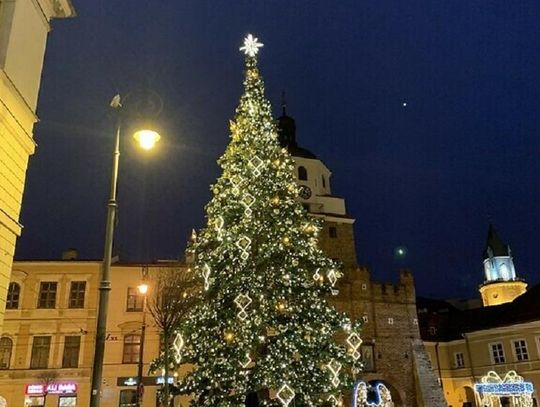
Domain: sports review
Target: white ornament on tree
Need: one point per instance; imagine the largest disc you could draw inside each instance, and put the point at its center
(285, 395)
(242, 301)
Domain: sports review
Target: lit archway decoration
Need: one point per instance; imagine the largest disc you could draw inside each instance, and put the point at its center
(492, 388)
(381, 395)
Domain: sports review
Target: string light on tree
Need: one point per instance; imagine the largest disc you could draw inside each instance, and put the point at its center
(263, 321)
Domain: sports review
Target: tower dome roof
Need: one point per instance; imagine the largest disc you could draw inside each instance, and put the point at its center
(287, 134)
(495, 247)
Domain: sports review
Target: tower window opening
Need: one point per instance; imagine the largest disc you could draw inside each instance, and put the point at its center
(323, 181)
(302, 174)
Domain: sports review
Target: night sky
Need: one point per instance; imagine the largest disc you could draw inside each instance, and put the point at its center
(429, 175)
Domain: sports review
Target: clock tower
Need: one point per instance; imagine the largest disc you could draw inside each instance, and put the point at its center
(315, 193)
(501, 284)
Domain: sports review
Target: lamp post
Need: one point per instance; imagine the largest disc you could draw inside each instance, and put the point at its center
(147, 139)
(143, 289)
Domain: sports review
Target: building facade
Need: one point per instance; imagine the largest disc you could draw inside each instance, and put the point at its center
(466, 344)
(48, 342)
(24, 26)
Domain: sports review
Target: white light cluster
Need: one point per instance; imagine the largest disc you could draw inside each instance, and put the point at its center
(251, 45)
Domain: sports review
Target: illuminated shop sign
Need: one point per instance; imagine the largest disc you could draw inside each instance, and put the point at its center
(52, 388)
(147, 381)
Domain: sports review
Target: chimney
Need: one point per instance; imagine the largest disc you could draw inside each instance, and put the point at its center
(70, 254)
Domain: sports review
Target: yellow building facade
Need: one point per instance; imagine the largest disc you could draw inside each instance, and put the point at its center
(462, 362)
(24, 26)
(49, 335)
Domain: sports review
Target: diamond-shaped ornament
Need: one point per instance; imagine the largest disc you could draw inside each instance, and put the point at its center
(242, 301)
(248, 200)
(178, 345)
(332, 399)
(332, 276)
(246, 361)
(243, 244)
(354, 342)
(206, 276)
(285, 395)
(256, 163)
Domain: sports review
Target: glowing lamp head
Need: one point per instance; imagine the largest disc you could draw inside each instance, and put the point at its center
(147, 139)
(143, 288)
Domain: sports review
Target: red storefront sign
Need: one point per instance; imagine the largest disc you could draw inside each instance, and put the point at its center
(52, 388)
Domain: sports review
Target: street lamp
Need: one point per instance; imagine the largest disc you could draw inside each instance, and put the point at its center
(147, 142)
(143, 289)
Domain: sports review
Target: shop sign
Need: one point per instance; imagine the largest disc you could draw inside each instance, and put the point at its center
(147, 381)
(38, 389)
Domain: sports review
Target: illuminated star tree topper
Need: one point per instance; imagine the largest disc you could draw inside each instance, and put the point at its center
(251, 45)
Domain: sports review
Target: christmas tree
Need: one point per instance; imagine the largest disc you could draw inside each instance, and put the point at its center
(263, 328)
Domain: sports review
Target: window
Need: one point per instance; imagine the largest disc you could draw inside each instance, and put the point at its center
(497, 353)
(134, 300)
(6, 345)
(520, 347)
(365, 318)
(459, 360)
(67, 401)
(47, 294)
(302, 174)
(132, 345)
(367, 351)
(390, 321)
(415, 321)
(76, 294)
(323, 181)
(364, 286)
(72, 345)
(332, 231)
(40, 352)
(128, 398)
(14, 292)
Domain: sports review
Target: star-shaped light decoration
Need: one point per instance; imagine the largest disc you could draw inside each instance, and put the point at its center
(251, 45)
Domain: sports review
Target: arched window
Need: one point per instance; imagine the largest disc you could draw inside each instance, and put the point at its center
(6, 345)
(302, 173)
(323, 181)
(14, 293)
(132, 345)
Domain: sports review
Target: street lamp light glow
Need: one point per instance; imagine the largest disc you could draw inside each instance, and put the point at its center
(143, 288)
(147, 139)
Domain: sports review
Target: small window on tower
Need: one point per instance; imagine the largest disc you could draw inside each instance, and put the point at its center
(302, 174)
(323, 181)
(332, 231)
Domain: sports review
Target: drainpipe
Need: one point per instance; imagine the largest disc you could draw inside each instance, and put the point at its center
(439, 366)
(468, 347)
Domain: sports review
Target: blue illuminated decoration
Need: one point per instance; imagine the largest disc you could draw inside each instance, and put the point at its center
(492, 387)
(504, 389)
(367, 395)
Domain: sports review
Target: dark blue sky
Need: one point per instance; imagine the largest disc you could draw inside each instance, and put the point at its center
(428, 176)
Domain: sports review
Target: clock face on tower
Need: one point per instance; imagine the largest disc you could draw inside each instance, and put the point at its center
(304, 192)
